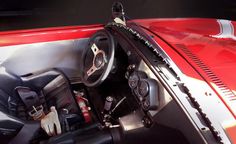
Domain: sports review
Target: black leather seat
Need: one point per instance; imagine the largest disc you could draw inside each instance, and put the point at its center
(53, 89)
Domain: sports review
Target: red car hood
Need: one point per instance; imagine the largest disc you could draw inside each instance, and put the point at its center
(209, 45)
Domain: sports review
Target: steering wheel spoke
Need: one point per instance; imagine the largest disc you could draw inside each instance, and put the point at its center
(95, 49)
(92, 70)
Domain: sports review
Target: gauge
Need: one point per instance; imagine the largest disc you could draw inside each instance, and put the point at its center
(135, 77)
(133, 80)
(143, 88)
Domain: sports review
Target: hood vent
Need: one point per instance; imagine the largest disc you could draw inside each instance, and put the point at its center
(226, 94)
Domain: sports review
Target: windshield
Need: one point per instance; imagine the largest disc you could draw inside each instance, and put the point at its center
(26, 14)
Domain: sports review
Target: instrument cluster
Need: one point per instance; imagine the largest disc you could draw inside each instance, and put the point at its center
(146, 90)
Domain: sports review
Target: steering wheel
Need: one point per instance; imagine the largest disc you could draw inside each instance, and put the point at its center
(98, 58)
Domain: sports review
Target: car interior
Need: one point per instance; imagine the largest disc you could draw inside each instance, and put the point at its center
(125, 101)
(103, 88)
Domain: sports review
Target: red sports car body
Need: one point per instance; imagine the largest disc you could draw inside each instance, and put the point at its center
(200, 76)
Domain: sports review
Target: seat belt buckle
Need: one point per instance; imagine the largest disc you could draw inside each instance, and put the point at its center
(37, 112)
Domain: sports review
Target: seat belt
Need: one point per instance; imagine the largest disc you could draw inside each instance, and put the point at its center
(31, 100)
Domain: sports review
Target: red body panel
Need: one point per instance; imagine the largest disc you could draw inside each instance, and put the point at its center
(46, 34)
(204, 49)
(196, 41)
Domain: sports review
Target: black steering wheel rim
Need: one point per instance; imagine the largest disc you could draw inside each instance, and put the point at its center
(106, 54)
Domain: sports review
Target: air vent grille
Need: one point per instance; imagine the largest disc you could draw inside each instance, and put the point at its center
(228, 96)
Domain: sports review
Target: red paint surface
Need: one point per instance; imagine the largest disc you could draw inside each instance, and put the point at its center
(231, 131)
(217, 54)
(46, 34)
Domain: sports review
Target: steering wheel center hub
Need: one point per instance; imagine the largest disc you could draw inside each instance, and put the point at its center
(99, 60)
